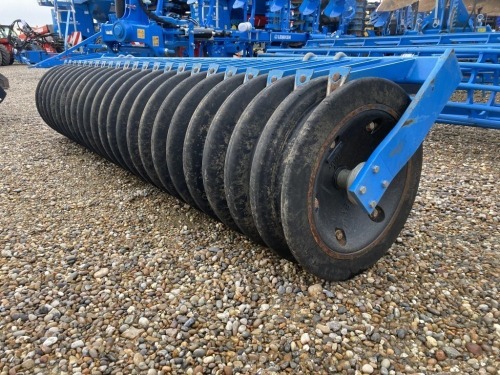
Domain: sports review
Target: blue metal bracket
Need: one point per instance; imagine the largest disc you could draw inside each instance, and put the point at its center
(212, 69)
(274, 75)
(230, 71)
(251, 73)
(196, 68)
(337, 77)
(406, 137)
(303, 76)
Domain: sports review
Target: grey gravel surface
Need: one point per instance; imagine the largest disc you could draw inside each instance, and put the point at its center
(103, 274)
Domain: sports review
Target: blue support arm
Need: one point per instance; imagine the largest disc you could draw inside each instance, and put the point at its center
(406, 137)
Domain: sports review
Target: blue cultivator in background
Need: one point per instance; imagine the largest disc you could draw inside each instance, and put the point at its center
(210, 28)
(398, 17)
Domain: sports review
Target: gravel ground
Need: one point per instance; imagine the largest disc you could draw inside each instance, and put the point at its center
(103, 274)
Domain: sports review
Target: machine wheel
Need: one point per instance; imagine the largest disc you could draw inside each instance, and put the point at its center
(161, 128)
(124, 114)
(147, 121)
(112, 117)
(81, 105)
(40, 97)
(267, 164)
(65, 108)
(60, 95)
(4, 55)
(45, 109)
(137, 110)
(215, 149)
(240, 153)
(101, 104)
(196, 135)
(53, 106)
(329, 235)
(177, 134)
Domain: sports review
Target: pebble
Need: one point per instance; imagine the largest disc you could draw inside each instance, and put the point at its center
(143, 322)
(113, 269)
(28, 364)
(431, 341)
(132, 333)
(209, 359)
(77, 344)
(304, 339)
(451, 352)
(138, 359)
(198, 353)
(101, 273)
(315, 290)
(367, 369)
(440, 355)
(50, 341)
(474, 349)
(386, 363)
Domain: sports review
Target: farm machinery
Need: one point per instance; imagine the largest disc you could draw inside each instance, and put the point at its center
(398, 17)
(6, 49)
(223, 28)
(314, 152)
(19, 41)
(214, 28)
(4, 84)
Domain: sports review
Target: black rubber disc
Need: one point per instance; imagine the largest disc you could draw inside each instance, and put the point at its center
(67, 94)
(177, 134)
(218, 136)
(162, 125)
(101, 104)
(123, 117)
(196, 134)
(138, 107)
(82, 106)
(113, 125)
(147, 122)
(41, 90)
(328, 235)
(267, 164)
(240, 152)
(47, 96)
(57, 90)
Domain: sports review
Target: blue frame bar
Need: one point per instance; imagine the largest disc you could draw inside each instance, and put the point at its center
(406, 137)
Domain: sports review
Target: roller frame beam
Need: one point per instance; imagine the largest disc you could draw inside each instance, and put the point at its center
(480, 66)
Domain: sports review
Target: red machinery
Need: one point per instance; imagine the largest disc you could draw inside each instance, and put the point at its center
(19, 37)
(6, 49)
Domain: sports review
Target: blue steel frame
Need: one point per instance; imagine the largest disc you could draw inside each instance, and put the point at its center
(480, 67)
(405, 40)
(436, 76)
(135, 33)
(406, 137)
(446, 18)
